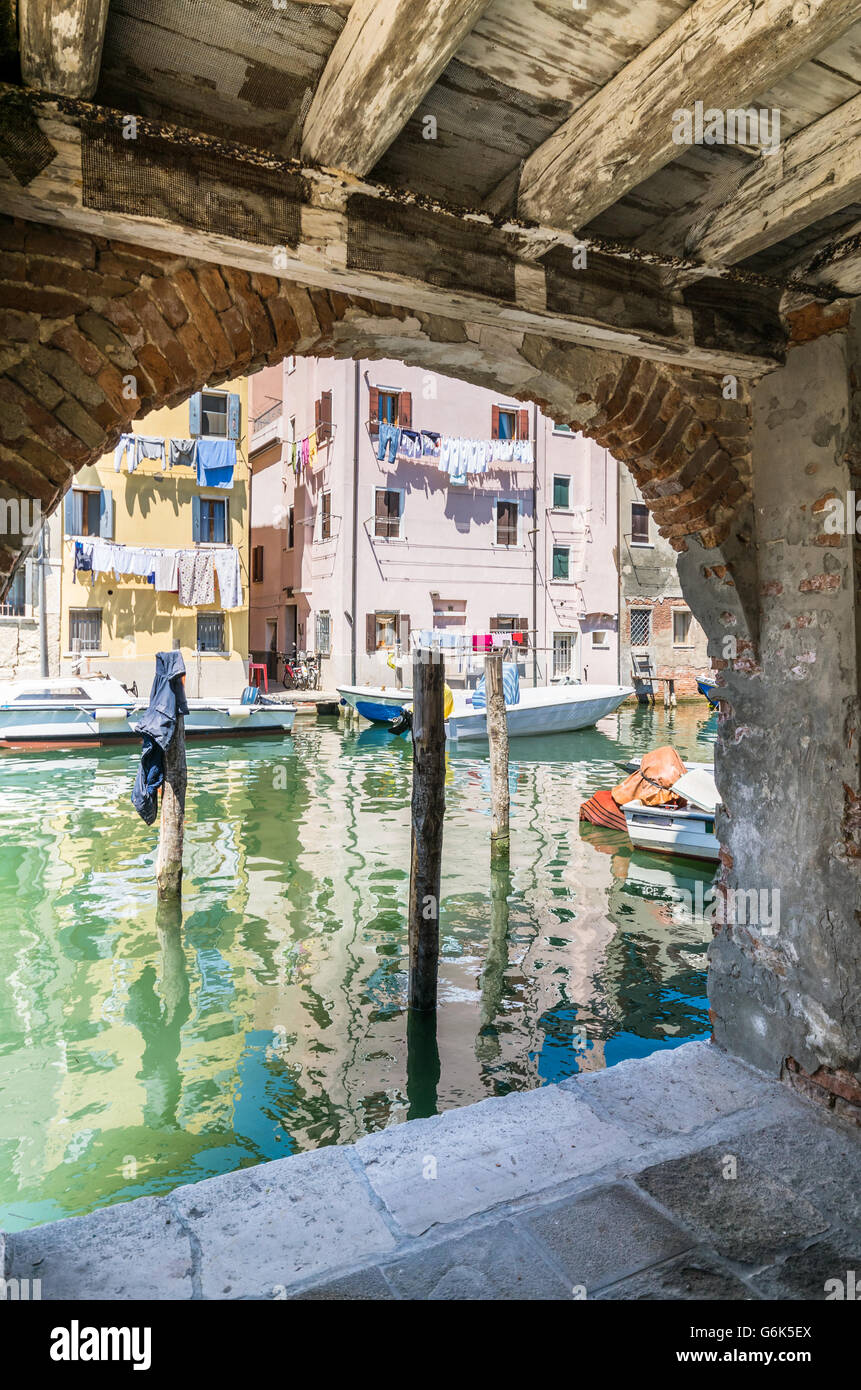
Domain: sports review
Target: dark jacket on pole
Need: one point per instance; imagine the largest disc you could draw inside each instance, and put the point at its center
(167, 701)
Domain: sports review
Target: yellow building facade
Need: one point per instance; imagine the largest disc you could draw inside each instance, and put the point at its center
(114, 621)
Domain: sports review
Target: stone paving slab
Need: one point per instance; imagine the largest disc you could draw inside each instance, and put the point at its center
(604, 1236)
(750, 1217)
(516, 1198)
(689, 1087)
(809, 1273)
(497, 1262)
(262, 1229)
(691, 1278)
(136, 1250)
(449, 1167)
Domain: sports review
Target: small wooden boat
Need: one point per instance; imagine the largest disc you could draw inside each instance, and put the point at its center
(683, 825)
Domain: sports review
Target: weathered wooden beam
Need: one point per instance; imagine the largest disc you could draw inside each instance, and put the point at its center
(428, 813)
(61, 44)
(816, 172)
(497, 737)
(388, 56)
(180, 192)
(722, 53)
(168, 870)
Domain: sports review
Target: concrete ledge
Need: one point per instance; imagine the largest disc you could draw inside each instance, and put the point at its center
(612, 1185)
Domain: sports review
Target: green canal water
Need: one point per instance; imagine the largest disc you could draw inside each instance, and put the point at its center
(139, 1052)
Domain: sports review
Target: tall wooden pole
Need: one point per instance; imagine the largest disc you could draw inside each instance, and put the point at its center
(497, 735)
(428, 809)
(168, 871)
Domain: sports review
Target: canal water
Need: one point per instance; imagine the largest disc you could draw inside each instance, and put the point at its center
(138, 1052)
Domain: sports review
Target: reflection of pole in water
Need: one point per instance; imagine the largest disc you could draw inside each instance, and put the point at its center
(487, 1047)
(174, 975)
(423, 1068)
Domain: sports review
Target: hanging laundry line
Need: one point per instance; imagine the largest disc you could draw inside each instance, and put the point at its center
(458, 457)
(190, 573)
(302, 453)
(213, 458)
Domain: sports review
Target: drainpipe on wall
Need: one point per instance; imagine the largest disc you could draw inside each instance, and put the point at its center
(354, 556)
(535, 547)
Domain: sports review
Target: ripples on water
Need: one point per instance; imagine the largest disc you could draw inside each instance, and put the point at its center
(136, 1054)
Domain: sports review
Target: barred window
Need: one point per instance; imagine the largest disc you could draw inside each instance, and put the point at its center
(324, 634)
(641, 627)
(210, 632)
(85, 629)
(13, 607)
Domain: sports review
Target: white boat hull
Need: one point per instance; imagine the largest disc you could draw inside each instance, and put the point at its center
(664, 830)
(89, 723)
(545, 710)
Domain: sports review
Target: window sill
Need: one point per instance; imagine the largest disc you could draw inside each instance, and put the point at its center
(73, 656)
(642, 545)
(198, 652)
(8, 619)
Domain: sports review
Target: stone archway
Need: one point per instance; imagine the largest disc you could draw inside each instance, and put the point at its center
(100, 332)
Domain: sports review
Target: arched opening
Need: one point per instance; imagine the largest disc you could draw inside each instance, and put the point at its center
(102, 332)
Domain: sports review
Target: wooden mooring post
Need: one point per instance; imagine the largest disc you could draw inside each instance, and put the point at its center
(428, 810)
(168, 870)
(497, 736)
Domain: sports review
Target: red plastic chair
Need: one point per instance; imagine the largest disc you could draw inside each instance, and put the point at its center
(254, 670)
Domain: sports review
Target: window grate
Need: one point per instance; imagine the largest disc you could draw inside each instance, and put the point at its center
(85, 630)
(641, 627)
(210, 632)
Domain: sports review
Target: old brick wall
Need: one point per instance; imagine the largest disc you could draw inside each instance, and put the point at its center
(98, 332)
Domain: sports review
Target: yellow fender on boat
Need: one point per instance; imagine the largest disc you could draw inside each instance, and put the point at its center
(447, 705)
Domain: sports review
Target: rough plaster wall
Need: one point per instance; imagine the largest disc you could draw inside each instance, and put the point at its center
(788, 750)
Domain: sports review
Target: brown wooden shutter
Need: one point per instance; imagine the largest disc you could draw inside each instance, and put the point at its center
(257, 564)
(404, 630)
(374, 405)
(523, 424)
(318, 416)
(494, 422)
(493, 625)
(405, 410)
(324, 424)
(523, 626)
(370, 632)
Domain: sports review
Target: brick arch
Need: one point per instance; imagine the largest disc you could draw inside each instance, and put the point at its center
(101, 332)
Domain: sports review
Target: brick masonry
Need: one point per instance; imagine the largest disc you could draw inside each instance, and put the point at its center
(98, 332)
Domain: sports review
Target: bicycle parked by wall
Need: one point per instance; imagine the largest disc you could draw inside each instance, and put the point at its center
(301, 671)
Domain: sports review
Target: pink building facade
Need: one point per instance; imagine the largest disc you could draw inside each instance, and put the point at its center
(354, 555)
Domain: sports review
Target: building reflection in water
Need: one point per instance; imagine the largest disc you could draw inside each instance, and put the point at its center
(141, 1049)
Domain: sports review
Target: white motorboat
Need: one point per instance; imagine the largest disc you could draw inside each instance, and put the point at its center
(88, 711)
(688, 830)
(549, 709)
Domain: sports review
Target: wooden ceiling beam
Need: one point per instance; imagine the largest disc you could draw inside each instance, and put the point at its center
(815, 173)
(723, 53)
(387, 57)
(61, 43)
(180, 192)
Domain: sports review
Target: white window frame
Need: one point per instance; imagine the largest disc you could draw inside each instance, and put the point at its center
(563, 430)
(327, 614)
(569, 479)
(517, 502)
(290, 363)
(573, 652)
(206, 497)
(642, 545)
(224, 396)
(600, 632)
(688, 642)
(386, 540)
(200, 651)
(91, 492)
(319, 538)
(555, 545)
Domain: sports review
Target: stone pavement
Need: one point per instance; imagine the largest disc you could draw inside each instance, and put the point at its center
(686, 1175)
